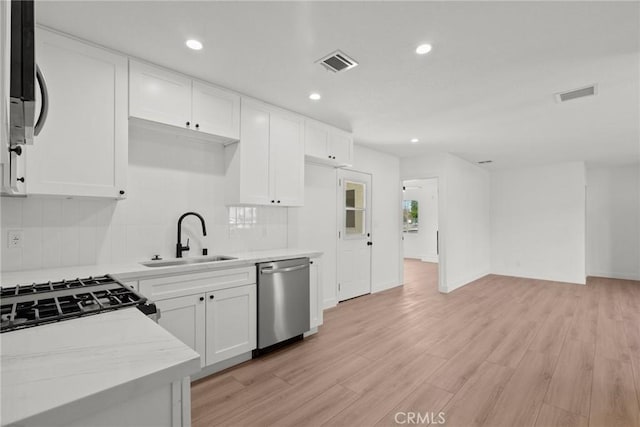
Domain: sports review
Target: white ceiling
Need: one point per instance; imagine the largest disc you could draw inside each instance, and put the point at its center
(486, 91)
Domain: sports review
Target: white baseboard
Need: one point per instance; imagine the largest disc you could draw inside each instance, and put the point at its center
(329, 303)
(610, 275)
(384, 286)
(460, 283)
(524, 275)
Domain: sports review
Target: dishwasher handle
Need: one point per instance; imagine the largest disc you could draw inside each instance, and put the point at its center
(271, 270)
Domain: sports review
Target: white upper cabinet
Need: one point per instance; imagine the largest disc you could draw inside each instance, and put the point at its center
(316, 140)
(341, 147)
(82, 148)
(253, 155)
(215, 111)
(327, 145)
(161, 96)
(286, 160)
(267, 166)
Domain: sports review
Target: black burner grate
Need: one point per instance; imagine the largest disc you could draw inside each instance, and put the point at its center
(32, 305)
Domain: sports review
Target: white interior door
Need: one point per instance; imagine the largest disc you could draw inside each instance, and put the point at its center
(354, 234)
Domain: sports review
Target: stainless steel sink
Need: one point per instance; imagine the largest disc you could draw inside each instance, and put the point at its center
(186, 261)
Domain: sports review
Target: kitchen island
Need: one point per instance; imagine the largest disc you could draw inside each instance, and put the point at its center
(114, 368)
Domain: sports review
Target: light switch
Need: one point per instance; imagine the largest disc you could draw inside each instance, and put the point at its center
(14, 238)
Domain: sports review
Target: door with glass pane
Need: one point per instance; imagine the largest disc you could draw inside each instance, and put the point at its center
(354, 234)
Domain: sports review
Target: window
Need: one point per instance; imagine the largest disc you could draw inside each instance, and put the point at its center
(410, 216)
(242, 217)
(355, 207)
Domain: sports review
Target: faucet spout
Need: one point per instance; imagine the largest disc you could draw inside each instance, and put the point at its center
(179, 248)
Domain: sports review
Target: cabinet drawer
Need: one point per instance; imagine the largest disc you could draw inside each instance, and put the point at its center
(187, 284)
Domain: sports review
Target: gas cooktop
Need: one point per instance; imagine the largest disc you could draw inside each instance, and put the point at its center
(37, 304)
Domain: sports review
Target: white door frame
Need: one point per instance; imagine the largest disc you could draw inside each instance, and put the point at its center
(442, 221)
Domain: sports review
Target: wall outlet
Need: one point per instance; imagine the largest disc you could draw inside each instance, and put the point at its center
(14, 239)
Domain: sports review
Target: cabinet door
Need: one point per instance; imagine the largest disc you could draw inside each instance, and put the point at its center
(315, 293)
(341, 147)
(82, 148)
(254, 154)
(286, 161)
(184, 317)
(215, 111)
(159, 95)
(231, 322)
(316, 140)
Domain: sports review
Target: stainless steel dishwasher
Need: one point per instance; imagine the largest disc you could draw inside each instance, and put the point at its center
(283, 301)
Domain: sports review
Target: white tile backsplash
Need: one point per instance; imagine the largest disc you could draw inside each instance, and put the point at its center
(167, 176)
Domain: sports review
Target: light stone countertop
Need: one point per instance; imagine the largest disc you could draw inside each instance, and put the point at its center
(78, 363)
(136, 271)
(64, 368)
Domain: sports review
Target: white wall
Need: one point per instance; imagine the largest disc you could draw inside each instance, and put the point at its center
(613, 222)
(538, 222)
(167, 176)
(386, 226)
(314, 225)
(463, 215)
(423, 244)
(466, 223)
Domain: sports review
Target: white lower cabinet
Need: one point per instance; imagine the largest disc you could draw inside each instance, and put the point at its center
(230, 323)
(185, 317)
(315, 293)
(212, 312)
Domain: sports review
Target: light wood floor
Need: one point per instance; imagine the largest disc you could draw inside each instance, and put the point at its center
(500, 352)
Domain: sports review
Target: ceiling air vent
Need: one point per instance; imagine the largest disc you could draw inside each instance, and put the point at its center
(577, 93)
(337, 61)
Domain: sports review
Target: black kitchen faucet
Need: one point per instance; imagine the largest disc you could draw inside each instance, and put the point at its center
(179, 247)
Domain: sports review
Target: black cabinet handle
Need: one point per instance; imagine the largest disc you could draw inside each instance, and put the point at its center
(16, 149)
(334, 157)
(188, 124)
(369, 243)
(273, 201)
(201, 298)
(278, 201)
(329, 156)
(210, 296)
(121, 192)
(197, 126)
(20, 179)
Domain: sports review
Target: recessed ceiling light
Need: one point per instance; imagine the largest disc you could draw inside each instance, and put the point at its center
(423, 48)
(194, 44)
(314, 96)
(414, 140)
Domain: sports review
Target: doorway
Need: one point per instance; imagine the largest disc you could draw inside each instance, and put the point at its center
(420, 231)
(354, 234)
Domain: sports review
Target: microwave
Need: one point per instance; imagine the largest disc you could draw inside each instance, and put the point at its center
(25, 78)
